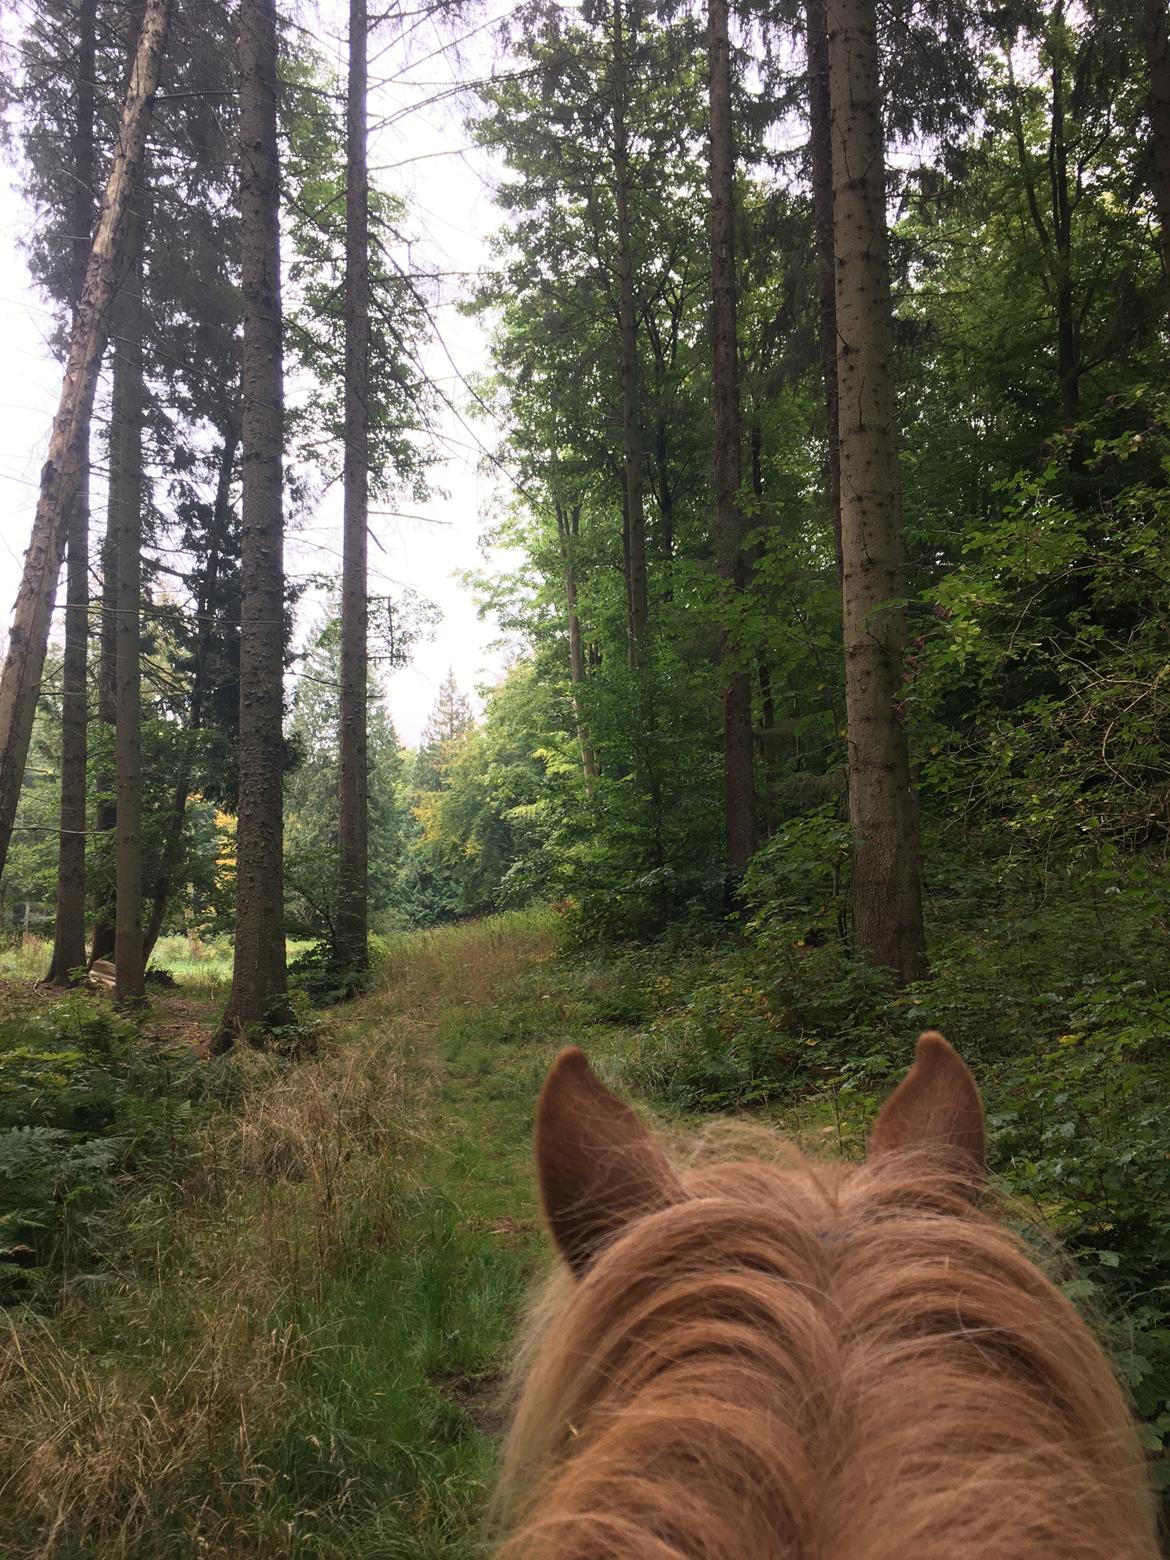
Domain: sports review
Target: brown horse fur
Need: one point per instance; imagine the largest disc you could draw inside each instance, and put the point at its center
(806, 1361)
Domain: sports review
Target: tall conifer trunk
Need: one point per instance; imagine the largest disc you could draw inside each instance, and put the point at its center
(123, 506)
(106, 815)
(126, 518)
(1068, 356)
(61, 474)
(105, 819)
(69, 926)
(634, 517)
(221, 516)
(352, 927)
(887, 896)
(738, 751)
(259, 994)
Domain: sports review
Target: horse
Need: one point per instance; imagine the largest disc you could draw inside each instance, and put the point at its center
(789, 1359)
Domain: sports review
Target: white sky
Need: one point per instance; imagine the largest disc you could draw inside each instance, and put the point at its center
(451, 212)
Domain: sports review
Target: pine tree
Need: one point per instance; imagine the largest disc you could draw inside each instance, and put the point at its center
(61, 475)
(886, 886)
(633, 501)
(69, 924)
(1156, 37)
(258, 998)
(353, 778)
(126, 556)
(449, 721)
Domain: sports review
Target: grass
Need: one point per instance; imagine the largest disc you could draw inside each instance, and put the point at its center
(27, 958)
(190, 961)
(297, 1348)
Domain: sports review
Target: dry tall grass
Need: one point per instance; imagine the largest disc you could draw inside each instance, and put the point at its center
(145, 1409)
(141, 1419)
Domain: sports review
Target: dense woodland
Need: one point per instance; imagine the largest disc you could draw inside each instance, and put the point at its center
(830, 417)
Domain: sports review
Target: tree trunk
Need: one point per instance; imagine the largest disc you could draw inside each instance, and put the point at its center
(69, 925)
(637, 593)
(106, 817)
(352, 935)
(1156, 30)
(259, 994)
(61, 473)
(887, 895)
(821, 157)
(126, 517)
(738, 749)
(220, 518)
(568, 529)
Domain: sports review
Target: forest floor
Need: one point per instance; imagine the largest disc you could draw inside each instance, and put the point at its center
(298, 1342)
(264, 1306)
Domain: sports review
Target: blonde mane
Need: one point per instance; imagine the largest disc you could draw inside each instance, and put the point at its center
(806, 1361)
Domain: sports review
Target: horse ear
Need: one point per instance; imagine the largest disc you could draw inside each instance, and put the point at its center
(598, 1165)
(936, 1108)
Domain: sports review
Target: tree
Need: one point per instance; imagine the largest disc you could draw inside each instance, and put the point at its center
(69, 925)
(126, 556)
(1156, 36)
(633, 511)
(886, 884)
(258, 998)
(738, 743)
(568, 534)
(61, 474)
(208, 665)
(353, 780)
(448, 723)
(820, 137)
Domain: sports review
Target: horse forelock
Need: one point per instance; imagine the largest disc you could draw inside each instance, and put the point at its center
(811, 1361)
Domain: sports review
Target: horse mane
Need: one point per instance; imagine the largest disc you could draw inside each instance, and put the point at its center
(797, 1360)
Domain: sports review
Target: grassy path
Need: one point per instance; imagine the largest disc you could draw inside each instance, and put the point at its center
(472, 1240)
(296, 1337)
(409, 1390)
(421, 1337)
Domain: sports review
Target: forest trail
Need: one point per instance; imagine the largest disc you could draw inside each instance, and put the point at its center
(304, 1348)
(472, 1015)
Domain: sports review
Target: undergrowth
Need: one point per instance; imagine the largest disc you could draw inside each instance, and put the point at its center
(1056, 991)
(302, 1277)
(279, 1339)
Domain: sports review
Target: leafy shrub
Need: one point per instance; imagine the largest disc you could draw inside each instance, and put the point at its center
(801, 873)
(774, 1019)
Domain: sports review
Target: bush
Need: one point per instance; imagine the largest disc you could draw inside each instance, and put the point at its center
(775, 1019)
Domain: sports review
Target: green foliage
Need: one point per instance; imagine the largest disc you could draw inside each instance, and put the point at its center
(83, 1101)
(317, 974)
(1055, 989)
(401, 399)
(1044, 679)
